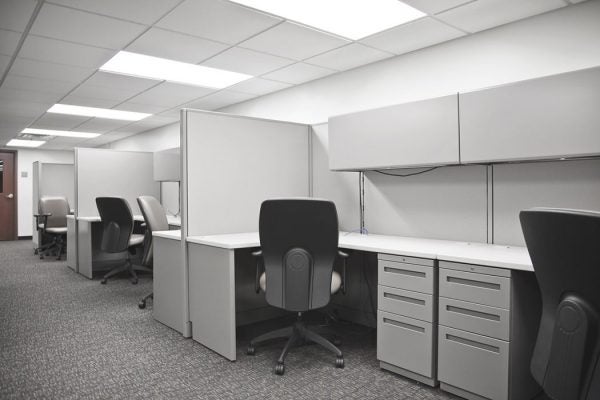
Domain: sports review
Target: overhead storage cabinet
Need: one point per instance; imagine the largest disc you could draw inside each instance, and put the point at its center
(552, 117)
(416, 134)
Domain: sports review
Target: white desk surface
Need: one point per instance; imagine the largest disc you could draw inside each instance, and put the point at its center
(509, 257)
(174, 234)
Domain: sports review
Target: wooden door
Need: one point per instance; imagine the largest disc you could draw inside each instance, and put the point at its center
(8, 197)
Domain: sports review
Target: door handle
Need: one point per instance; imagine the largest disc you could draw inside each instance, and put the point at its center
(10, 196)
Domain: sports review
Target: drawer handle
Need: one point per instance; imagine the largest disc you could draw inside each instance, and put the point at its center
(472, 343)
(404, 325)
(473, 313)
(471, 282)
(404, 272)
(404, 298)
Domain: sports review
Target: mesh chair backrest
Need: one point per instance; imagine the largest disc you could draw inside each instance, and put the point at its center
(58, 207)
(299, 241)
(117, 223)
(156, 220)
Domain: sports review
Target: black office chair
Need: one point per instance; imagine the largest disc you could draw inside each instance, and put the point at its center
(118, 236)
(156, 220)
(51, 220)
(299, 245)
(564, 246)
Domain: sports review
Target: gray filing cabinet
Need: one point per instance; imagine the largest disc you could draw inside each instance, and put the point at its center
(407, 316)
(488, 319)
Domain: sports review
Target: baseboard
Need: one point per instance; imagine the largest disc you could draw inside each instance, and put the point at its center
(25, 237)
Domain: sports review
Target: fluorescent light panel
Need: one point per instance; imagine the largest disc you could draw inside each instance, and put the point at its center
(143, 66)
(25, 143)
(106, 113)
(353, 19)
(51, 132)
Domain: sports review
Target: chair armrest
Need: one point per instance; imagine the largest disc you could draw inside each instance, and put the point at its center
(41, 219)
(258, 255)
(344, 256)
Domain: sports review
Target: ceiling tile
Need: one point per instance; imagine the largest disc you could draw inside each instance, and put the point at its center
(350, 56)
(28, 95)
(293, 41)
(4, 60)
(259, 86)
(101, 125)
(413, 36)
(88, 101)
(174, 113)
(143, 125)
(59, 121)
(435, 6)
(116, 88)
(85, 28)
(219, 100)
(175, 46)
(247, 61)
(15, 14)
(14, 81)
(485, 14)
(145, 108)
(8, 42)
(10, 122)
(217, 20)
(299, 73)
(142, 11)
(51, 71)
(58, 51)
(169, 94)
(23, 108)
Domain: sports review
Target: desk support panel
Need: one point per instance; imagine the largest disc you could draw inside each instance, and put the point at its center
(212, 297)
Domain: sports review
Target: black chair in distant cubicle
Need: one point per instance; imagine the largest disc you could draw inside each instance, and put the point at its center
(117, 234)
(299, 245)
(156, 220)
(564, 246)
(51, 220)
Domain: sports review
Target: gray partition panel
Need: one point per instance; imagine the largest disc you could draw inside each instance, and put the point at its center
(102, 172)
(167, 165)
(564, 184)
(447, 203)
(339, 187)
(235, 163)
(58, 180)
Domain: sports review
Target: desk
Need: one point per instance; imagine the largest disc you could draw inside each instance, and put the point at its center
(83, 243)
(214, 317)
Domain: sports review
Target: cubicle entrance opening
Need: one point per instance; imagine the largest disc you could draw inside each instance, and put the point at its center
(8, 195)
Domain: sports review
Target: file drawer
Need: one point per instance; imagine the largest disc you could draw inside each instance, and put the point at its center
(475, 363)
(477, 288)
(405, 342)
(417, 278)
(406, 303)
(476, 318)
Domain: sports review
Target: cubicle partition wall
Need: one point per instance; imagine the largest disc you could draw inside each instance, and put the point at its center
(51, 179)
(167, 171)
(103, 172)
(231, 164)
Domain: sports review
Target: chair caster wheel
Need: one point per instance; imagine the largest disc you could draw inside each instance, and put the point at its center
(250, 350)
(339, 362)
(142, 305)
(279, 369)
(134, 281)
(103, 281)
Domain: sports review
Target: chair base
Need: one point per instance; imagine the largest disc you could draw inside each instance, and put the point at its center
(129, 267)
(57, 246)
(142, 303)
(296, 334)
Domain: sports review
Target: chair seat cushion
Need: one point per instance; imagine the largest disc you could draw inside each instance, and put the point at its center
(58, 231)
(336, 282)
(136, 239)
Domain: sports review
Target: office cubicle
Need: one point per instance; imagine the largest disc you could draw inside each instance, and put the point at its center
(98, 173)
(50, 179)
(167, 171)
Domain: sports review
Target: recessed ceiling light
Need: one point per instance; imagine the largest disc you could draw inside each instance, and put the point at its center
(51, 132)
(352, 19)
(25, 143)
(143, 66)
(97, 112)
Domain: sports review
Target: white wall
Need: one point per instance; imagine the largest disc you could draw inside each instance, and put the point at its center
(25, 163)
(165, 137)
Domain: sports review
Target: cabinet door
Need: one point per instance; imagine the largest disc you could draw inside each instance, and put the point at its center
(420, 133)
(549, 117)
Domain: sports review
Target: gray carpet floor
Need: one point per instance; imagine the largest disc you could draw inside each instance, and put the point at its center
(63, 336)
